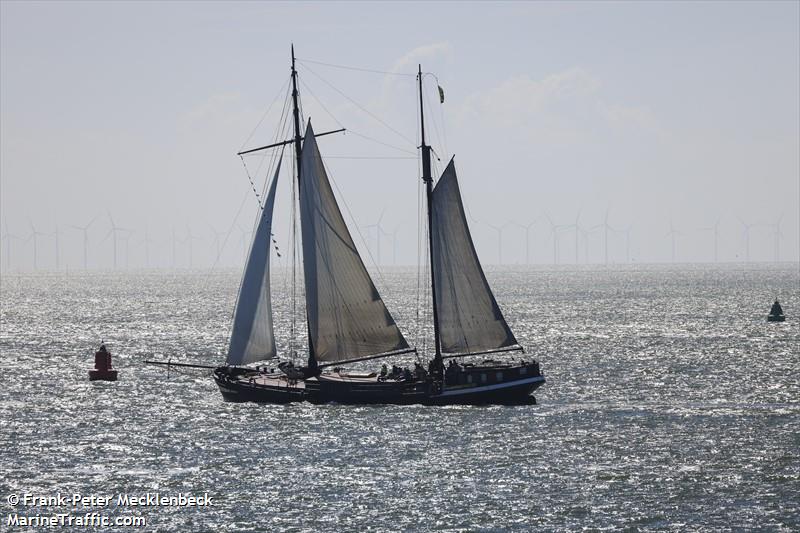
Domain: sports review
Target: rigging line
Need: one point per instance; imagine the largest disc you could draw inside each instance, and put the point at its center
(264, 115)
(381, 142)
(314, 96)
(359, 69)
(362, 108)
(366, 157)
(281, 126)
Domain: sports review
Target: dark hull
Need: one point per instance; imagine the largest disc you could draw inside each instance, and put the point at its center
(237, 386)
(236, 389)
(776, 318)
(510, 393)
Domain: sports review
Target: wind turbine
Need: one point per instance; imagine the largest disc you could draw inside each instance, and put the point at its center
(628, 243)
(574, 226)
(126, 238)
(715, 230)
(672, 233)
(7, 236)
(189, 239)
(84, 229)
(393, 236)
(747, 228)
(57, 234)
(585, 234)
(113, 232)
(216, 242)
(147, 241)
(554, 229)
(378, 231)
(527, 229)
(604, 225)
(499, 230)
(245, 239)
(35, 236)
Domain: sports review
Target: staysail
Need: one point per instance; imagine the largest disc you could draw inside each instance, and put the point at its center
(347, 319)
(469, 318)
(253, 338)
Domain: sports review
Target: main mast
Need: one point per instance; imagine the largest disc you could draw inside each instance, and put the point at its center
(312, 361)
(428, 179)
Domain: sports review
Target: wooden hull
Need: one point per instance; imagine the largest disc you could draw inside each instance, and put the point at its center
(237, 386)
(511, 388)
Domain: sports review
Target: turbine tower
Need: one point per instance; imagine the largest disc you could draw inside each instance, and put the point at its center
(554, 229)
(575, 227)
(628, 243)
(35, 236)
(672, 233)
(527, 229)
(378, 231)
(147, 241)
(499, 230)
(188, 240)
(604, 225)
(57, 234)
(217, 243)
(114, 232)
(8, 236)
(85, 230)
(715, 230)
(746, 231)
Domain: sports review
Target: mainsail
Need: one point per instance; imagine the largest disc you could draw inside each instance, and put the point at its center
(469, 319)
(347, 319)
(253, 338)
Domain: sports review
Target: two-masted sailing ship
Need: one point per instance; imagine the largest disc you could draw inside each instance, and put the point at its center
(348, 320)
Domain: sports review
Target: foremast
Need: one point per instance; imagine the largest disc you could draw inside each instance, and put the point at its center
(428, 179)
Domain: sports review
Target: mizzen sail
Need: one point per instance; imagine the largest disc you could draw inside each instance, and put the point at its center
(347, 319)
(253, 338)
(469, 318)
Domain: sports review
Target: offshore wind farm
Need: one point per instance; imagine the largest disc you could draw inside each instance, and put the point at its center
(102, 245)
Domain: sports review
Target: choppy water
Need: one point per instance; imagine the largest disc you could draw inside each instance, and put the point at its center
(670, 404)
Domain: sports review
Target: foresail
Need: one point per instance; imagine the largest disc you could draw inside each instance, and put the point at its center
(347, 318)
(469, 318)
(253, 338)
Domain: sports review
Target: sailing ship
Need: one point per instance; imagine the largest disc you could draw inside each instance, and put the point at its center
(346, 317)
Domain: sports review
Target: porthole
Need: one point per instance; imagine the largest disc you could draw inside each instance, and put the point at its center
(499, 376)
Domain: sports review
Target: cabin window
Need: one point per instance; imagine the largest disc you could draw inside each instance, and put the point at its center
(483, 378)
(499, 376)
(523, 370)
(469, 378)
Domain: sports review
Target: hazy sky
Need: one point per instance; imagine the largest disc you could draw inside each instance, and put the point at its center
(687, 112)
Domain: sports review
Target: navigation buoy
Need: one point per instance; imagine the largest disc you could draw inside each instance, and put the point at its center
(102, 366)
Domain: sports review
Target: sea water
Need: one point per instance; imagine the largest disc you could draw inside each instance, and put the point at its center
(670, 404)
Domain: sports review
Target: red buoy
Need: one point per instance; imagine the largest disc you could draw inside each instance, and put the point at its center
(102, 366)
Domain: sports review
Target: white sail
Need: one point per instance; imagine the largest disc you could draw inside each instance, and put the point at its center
(469, 319)
(347, 318)
(253, 338)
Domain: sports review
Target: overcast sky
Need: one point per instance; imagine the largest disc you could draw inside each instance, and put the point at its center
(652, 112)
